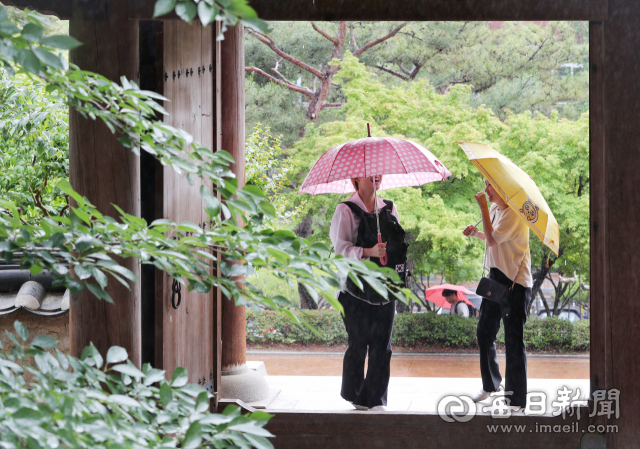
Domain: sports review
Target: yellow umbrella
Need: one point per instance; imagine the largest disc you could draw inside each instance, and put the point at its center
(517, 189)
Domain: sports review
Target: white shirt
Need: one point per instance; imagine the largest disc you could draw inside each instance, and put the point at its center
(344, 229)
(512, 235)
(460, 308)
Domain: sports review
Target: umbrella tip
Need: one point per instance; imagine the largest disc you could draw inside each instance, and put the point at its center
(368, 130)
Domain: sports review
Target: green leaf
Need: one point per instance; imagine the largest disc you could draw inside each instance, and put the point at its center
(123, 400)
(99, 292)
(28, 417)
(251, 428)
(377, 286)
(32, 32)
(9, 29)
(267, 208)
(165, 394)
(180, 377)
(116, 354)
(281, 256)
(64, 185)
(186, 10)
(12, 366)
(193, 437)
(29, 61)
(356, 280)
(206, 12)
(254, 191)
(21, 330)
(129, 370)
(92, 351)
(258, 442)
(202, 402)
(256, 24)
(12, 338)
(153, 376)
(48, 58)
(61, 41)
(44, 342)
(163, 7)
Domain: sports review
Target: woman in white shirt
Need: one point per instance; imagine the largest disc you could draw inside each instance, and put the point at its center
(368, 318)
(508, 259)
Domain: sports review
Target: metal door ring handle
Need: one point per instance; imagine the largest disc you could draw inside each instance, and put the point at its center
(175, 289)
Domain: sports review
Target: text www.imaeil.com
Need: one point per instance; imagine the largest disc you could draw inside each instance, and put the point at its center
(548, 428)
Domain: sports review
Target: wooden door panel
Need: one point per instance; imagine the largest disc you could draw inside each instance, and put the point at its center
(186, 332)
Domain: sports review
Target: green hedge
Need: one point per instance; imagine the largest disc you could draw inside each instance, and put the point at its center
(422, 329)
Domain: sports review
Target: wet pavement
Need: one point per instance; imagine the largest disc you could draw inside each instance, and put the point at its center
(412, 394)
(289, 363)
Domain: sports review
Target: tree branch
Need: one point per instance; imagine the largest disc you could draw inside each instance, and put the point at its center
(331, 105)
(404, 69)
(393, 72)
(379, 40)
(37, 199)
(269, 43)
(353, 37)
(332, 39)
(303, 90)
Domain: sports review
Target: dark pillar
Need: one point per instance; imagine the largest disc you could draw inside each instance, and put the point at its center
(621, 198)
(233, 317)
(105, 172)
(237, 381)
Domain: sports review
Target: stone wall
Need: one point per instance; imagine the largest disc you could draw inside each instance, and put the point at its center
(56, 327)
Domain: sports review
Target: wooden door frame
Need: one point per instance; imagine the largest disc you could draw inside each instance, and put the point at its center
(314, 429)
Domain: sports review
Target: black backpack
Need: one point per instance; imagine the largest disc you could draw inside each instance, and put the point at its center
(392, 233)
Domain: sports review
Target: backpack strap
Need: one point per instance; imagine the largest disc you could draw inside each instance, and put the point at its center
(388, 205)
(355, 209)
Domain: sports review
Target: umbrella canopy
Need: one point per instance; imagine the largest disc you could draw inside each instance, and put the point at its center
(517, 189)
(434, 295)
(403, 163)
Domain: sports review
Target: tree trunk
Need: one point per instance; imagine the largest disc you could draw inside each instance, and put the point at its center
(304, 230)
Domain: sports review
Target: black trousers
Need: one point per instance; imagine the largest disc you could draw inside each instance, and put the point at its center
(368, 326)
(516, 354)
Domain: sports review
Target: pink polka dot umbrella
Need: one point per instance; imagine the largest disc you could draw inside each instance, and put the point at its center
(403, 163)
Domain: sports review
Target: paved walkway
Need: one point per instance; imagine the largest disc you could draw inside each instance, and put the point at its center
(311, 381)
(286, 363)
(412, 394)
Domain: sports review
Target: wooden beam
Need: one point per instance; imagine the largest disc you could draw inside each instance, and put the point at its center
(598, 298)
(101, 169)
(622, 197)
(216, 115)
(433, 10)
(374, 9)
(352, 429)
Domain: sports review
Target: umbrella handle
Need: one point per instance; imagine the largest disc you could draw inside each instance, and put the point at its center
(383, 259)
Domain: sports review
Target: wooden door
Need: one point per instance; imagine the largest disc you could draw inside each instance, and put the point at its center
(187, 336)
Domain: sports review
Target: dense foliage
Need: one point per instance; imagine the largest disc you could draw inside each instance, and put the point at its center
(88, 240)
(269, 168)
(553, 150)
(509, 66)
(423, 330)
(34, 125)
(50, 399)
